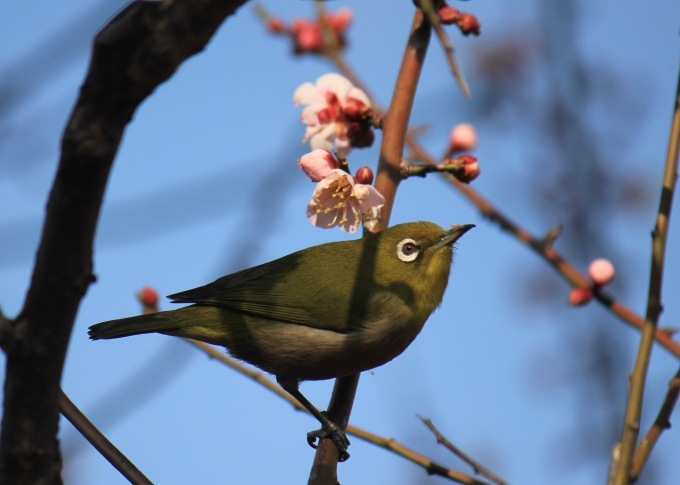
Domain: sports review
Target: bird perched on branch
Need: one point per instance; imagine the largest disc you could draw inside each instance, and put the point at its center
(327, 311)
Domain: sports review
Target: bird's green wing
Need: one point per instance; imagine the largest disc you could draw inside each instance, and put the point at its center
(311, 287)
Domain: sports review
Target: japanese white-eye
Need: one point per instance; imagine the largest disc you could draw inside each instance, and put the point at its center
(323, 312)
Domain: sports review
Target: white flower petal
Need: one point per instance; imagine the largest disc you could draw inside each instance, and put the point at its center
(307, 93)
(342, 145)
(309, 116)
(324, 138)
(334, 82)
(368, 197)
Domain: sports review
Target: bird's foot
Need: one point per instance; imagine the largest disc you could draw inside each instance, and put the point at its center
(337, 435)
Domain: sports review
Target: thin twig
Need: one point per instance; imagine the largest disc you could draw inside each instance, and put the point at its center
(119, 461)
(479, 469)
(432, 467)
(661, 423)
(449, 52)
(631, 425)
(421, 170)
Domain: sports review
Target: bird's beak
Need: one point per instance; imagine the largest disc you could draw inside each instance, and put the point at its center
(452, 235)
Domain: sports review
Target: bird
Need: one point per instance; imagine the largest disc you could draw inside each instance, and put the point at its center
(323, 312)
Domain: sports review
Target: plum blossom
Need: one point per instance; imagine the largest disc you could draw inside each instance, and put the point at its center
(338, 115)
(339, 201)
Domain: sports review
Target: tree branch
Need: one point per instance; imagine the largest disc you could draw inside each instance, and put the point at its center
(140, 48)
(480, 469)
(631, 425)
(427, 7)
(101, 442)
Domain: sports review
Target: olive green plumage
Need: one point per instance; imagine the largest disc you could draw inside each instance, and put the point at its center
(322, 312)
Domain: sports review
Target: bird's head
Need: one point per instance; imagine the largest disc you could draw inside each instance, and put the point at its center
(416, 254)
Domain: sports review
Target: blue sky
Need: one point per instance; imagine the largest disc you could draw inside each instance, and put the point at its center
(221, 137)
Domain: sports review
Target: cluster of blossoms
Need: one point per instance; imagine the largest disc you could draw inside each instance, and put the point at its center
(308, 35)
(601, 272)
(463, 138)
(338, 115)
(340, 199)
(466, 22)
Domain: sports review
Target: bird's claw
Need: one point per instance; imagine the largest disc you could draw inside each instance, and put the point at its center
(333, 432)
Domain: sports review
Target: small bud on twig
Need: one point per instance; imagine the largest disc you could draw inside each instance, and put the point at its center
(148, 297)
(448, 15)
(579, 296)
(364, 176)
(468, 24)
(601, 271)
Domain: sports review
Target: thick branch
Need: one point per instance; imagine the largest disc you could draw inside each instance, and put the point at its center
(138, 50)
(387, 180)
(395, 122)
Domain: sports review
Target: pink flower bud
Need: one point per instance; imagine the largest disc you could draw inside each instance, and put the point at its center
(579, 296)
(364, 176)
(307, 35)
(448, 15)
(463, 138)
(468, 24)
(148, 296)
(601, 271)
(318, 164)
(275, 24)
(469, 168)
(340, 20)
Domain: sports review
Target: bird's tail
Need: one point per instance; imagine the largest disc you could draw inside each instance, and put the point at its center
(206, 323)
(149, 323)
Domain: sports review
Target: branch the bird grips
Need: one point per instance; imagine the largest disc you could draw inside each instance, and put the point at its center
(327, 311)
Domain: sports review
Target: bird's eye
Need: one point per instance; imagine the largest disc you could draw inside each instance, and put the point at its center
(407, 250)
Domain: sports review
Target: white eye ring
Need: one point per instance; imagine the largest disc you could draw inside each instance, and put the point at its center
(407, 250)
